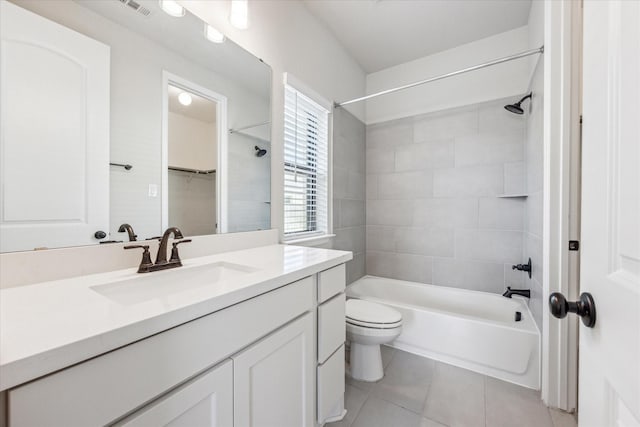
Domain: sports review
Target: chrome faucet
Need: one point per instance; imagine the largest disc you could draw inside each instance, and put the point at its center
(129, 229)
(161, 263)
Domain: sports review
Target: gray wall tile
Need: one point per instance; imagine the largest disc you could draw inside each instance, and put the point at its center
(469, 181)
(446, 124)
(514, 178)
(502, 214)
(449, 230)
(480, 276)
(390, 133)
(446, 212)
(427, 155)
(405, 185)
(352, 212)
(489, 245)
(485, 149)
(390, 212)
(425, 241)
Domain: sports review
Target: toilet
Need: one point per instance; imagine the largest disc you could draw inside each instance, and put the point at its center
(368, 325)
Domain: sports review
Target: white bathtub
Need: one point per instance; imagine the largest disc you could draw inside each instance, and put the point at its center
(470, 329)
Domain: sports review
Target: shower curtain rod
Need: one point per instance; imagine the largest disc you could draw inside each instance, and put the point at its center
(454, 73)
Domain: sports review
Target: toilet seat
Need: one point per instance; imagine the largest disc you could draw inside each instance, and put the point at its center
(368, 314)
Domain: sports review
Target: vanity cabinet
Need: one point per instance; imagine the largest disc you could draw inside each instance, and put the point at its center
(273, 379)
(207, 400)
(276, 359)
(331, 337)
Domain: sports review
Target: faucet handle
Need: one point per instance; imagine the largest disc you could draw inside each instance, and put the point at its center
(175, 257)
(146, 263)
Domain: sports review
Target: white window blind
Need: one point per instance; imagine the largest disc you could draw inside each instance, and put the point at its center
(306, 166)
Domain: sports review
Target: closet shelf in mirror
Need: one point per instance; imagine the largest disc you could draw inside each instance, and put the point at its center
(195, 171)
(513, 196)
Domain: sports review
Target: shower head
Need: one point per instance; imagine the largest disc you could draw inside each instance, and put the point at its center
(516, 108)
(260, 151)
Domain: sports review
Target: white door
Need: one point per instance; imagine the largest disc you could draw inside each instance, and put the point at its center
(54, 139)
(206, 401)
(609, 381)
(273, 380)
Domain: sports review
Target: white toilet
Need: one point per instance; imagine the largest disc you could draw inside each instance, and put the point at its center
(369, 325)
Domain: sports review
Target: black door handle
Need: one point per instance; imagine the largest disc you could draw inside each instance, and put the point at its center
(585, 307)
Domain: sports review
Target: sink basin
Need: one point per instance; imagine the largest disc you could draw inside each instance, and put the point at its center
(164, 283)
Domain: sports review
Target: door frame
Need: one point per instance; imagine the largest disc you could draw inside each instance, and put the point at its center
(222, 147)
(561, 199)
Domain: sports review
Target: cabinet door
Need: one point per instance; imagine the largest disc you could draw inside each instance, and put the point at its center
(274, 379)
(205, 401)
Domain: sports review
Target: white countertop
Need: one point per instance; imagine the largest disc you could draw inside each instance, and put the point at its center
(51, 325)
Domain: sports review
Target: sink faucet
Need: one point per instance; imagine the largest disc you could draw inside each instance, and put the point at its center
(161, 263)
(129, 229)
(161, 258)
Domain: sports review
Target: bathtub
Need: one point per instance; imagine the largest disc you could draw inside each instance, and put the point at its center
(471, 329)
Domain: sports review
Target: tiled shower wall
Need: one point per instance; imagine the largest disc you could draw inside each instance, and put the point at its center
(534, 186)
(432, 186)
(349, 189)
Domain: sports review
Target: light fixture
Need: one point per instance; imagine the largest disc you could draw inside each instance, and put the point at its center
(171, 7)
(185, 99)
(212, 34)
(239, 16)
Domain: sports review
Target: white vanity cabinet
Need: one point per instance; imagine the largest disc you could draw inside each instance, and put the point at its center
(273, 379)
(205, 401)
(261, 362)
(331, 338)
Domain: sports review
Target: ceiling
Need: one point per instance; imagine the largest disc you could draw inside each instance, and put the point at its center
(382, 33)
(201, 108)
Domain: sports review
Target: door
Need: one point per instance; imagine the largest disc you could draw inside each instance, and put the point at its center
(274, 379)
(609, 373)
(54, 120)
(206, 401)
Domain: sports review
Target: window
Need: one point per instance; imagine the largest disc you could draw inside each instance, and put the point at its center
(306, 167)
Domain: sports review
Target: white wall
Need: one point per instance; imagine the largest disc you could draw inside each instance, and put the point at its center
(487, 84)
(192, 143)
(288, 38)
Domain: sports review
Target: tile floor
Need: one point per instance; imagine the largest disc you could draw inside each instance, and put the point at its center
(419, 392)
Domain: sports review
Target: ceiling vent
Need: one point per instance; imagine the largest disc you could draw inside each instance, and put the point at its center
(136, 6)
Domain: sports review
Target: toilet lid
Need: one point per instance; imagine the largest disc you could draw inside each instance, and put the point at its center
(360, 311)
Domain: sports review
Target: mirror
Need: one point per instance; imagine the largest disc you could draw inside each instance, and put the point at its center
(114, 112)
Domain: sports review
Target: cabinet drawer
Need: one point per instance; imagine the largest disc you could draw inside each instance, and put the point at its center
(331, 326)
(103, 389)
(331, 282)
(331, 387)
(206, 400)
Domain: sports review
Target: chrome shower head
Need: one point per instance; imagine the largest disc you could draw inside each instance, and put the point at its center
(260, 151)
(516, 108)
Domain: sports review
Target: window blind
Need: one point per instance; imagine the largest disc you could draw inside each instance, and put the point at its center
(306, 166)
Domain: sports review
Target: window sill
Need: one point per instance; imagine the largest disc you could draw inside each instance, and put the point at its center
(311, 241)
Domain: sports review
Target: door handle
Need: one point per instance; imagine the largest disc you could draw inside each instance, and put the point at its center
(585, 307)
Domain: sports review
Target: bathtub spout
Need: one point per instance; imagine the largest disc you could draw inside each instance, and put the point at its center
(521, 292)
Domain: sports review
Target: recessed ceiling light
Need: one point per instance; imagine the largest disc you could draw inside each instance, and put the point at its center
(212, 34)
(171, 7)
(239, 16)
(185, 99)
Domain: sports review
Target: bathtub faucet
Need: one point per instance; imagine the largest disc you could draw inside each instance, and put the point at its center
(521, 292)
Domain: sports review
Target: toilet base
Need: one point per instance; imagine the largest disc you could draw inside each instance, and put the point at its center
(366, 362)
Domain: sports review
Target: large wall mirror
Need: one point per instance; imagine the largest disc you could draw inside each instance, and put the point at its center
(118, 120)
